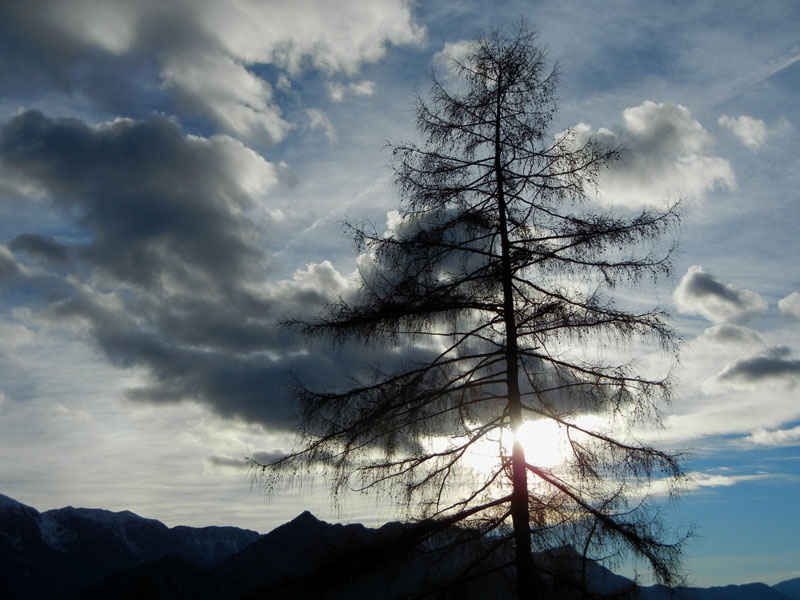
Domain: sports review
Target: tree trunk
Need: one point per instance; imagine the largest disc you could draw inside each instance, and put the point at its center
(520, 514)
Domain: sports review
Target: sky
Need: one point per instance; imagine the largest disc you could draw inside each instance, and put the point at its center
(173, 179)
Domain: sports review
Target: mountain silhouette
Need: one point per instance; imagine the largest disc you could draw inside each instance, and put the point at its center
(60, 553)
(94, 554)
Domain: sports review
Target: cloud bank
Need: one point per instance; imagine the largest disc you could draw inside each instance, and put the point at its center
(207, 56)
(163, 267)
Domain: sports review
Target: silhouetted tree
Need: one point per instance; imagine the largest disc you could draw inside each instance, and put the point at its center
(493, 286)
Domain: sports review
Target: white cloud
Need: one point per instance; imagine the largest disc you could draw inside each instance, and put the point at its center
(698, 480)
(751, 132)
(735, 412)
(695, 481)
(701, 293)
(321, 278)
(224, 90)
(790, 305)
(319, 120)
(777, 437)
(332, 36)
(339, 91)
(453, 52)
(664, 154)
(362, 88)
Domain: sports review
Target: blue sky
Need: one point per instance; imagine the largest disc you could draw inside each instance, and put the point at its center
(173, 176)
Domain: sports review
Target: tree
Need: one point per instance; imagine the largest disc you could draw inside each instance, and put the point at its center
(492, 290)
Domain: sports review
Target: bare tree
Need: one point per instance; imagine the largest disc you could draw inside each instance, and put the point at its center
(492, 291)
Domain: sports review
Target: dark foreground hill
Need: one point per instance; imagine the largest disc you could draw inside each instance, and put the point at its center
(95, 554)
(59, 554)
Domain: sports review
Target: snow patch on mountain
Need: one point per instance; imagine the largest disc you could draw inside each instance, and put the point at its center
(54, 534)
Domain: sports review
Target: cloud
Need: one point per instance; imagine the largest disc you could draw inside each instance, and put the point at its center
(215, 85)
(790, 305)
(165, 273)
(13, 335)
(227, 461)
(223, 350)
(152, 198)
(194, 326)
(730, 334)
(203, 54)
(771, 367)
(9, 268)
(261, 456)
(319, 120)
(664, 154)
(696, 481)
(44, 248)
(777, 437)
(453, 52)
(338, 91)
(751, 132)
(701, 293)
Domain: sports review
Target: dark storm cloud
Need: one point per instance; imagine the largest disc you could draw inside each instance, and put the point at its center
(239, 385)
(9, 268)
(154, 199)
(38, 54)
(33, 54)
(42, 247)
(32, 287)
(171, 282)
(242, 365)
(168, 277)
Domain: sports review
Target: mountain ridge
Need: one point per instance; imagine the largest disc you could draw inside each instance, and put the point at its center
(62, 552)
(90, 554)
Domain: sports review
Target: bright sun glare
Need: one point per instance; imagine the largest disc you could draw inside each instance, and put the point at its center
(544, 441)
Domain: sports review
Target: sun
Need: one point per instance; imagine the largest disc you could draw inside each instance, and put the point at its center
(545, 443)
(544, 440)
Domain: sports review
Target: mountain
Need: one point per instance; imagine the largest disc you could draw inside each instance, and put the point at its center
(93, 554)
(789, 588)
(308, 558)
(60, 553)
(748, 591)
